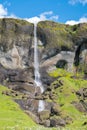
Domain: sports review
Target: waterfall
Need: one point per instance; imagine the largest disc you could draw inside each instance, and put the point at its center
(36, 66)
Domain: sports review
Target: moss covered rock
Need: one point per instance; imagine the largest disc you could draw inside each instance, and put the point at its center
(44, 115)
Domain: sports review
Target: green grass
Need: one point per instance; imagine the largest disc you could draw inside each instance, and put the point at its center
(60, 73)
(11, 115)
(13, 118)
(66, 94)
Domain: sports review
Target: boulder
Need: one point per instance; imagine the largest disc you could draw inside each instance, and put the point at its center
(33, 116)
(55, 109)
(52, 95)
(85, 92)
(28, 104)
(82, 93)
(46, 123)
(57, 122)
(68, 120)
(79, 106)
(44, 115)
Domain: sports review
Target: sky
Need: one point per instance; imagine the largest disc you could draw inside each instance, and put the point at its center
(62, 11)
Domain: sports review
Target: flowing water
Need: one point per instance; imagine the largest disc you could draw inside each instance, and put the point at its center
(36, 66)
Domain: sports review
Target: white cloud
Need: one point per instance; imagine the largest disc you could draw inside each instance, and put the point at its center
(33, 19)
(78, 1)
(12, 16)
(42, 17)
(73, 22)
(83, 20)
(3, 11)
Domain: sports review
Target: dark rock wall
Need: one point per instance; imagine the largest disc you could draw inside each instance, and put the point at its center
(16, 38)
(56, 42)
(62, 42)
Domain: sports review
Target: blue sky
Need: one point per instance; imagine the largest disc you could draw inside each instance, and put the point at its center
(64, 11)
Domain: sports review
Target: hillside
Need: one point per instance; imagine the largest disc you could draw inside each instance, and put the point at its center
(11, 116)
(63, 67)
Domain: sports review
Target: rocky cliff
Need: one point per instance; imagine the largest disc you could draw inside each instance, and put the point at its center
(62, 51)
(62, 37)
(63, 46)
(16, 38)
(58, 44)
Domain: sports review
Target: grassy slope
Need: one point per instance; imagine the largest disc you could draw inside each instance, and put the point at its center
(66, 95)
(13, 118)
(11, 115)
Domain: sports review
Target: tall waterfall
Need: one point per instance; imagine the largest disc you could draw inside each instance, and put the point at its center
(36, 66)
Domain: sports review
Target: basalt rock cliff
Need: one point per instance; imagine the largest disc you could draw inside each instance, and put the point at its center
(59, 46)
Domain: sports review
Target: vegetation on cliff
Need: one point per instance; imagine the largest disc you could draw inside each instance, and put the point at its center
(55, 35)
(71, 95)
(14, 31)
(65, 92)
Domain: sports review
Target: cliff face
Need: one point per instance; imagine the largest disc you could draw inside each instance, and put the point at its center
(16, 54)
(61, 37)
(63, 46)
(15, 43)
(59, 46)
(56, 42)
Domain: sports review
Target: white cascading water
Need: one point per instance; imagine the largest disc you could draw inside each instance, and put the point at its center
(36, 66)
